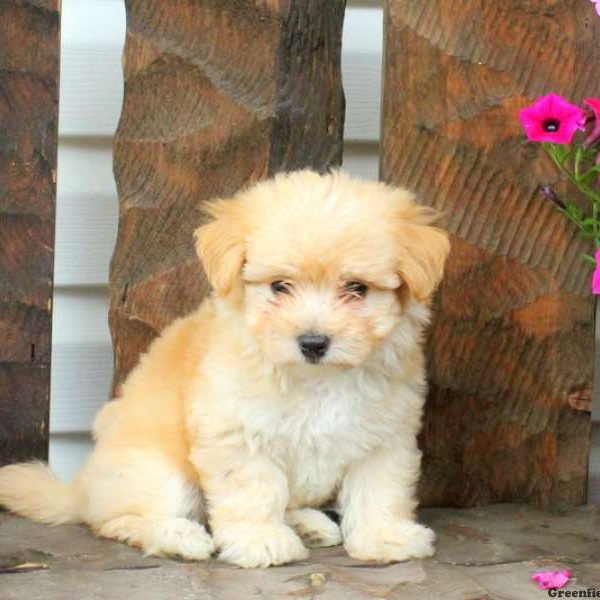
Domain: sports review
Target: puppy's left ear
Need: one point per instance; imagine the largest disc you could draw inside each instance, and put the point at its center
(221, 244)
(423, 249)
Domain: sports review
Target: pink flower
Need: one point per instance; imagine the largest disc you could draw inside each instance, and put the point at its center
(592, 120)
(597, 3)
(552, 119)
(551, 580)
(596, 276)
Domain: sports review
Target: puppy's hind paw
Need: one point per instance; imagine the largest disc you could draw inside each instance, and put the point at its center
(188, 543)
(315, 528)
(251, 545)
(176, 537)
(397, 542)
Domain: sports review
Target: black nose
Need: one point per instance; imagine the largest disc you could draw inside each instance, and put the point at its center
(313, 346)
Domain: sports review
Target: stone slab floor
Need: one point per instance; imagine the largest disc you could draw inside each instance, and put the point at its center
(482, 553)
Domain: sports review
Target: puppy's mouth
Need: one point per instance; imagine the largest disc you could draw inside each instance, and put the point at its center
(312, 361)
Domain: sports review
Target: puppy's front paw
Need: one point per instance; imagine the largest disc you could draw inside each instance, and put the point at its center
(396, 542)
(251, 545)
(315, 528)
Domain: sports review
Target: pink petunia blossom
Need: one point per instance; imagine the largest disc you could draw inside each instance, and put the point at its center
(596, 276)
(592, 120)
(551, 580)
(552, 119)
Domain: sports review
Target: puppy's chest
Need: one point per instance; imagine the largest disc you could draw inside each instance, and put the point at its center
(319, 426)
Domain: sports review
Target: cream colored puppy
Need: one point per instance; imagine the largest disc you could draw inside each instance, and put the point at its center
(298, 382)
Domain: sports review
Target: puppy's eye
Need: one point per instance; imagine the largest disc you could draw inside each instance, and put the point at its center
(356, 288)
(281, 287)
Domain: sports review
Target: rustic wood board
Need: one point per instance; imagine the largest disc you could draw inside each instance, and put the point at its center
(481, 553)
(218, 94)
(511, 344)
(29, 71)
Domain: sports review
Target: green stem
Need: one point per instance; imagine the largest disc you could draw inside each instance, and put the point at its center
(589, 193)
(582, 188)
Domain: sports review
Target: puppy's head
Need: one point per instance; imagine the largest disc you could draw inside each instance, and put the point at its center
(322, 266)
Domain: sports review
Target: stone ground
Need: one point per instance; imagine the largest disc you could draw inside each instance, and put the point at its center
(484, 553)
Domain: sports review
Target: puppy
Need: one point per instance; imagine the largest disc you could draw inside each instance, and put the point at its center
(298, 382)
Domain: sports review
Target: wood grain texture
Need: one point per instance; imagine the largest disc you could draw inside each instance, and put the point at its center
(29, 70)
(92, 75)
(511, 345)
(218, 94)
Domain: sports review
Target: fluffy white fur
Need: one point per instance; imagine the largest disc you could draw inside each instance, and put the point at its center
(225, 424)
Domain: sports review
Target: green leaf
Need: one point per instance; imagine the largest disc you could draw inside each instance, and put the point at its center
(564, 154)
(558, 153)
(588, 259)
(590, 176)
(573, 212)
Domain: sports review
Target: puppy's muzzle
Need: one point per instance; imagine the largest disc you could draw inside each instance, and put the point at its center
(313, 346)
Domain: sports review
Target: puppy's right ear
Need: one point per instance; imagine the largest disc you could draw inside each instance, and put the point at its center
(221, 244)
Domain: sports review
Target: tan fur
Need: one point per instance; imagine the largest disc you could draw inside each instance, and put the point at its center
(224, 422)
(36, 493)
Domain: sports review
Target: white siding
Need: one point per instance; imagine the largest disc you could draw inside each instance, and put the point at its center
(362, 48)
(68, 453)
(82, 358)
(91, 79)
(87, 212)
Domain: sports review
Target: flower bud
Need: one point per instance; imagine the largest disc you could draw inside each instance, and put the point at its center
(592, 121)
(551, 195)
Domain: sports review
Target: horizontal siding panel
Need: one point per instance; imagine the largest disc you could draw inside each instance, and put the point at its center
(81, 359)
(362, 160)
(91, 78)
(81, 375)
(91, 90)
(93, 21)
(362, 50)
(87, 213)
(80, 315)
(362, 86)
(68, 453)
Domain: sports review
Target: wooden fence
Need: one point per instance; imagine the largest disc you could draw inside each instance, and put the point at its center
(220, 93)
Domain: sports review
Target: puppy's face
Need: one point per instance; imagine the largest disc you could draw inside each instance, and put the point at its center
(319, 291)
(321, 266)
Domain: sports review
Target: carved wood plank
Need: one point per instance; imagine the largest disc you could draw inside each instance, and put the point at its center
(219, 93)
(29, 70)
(511, 345)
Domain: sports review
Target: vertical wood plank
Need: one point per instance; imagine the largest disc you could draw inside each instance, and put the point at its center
(511, 345)
(29, 71)
(218, 94)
